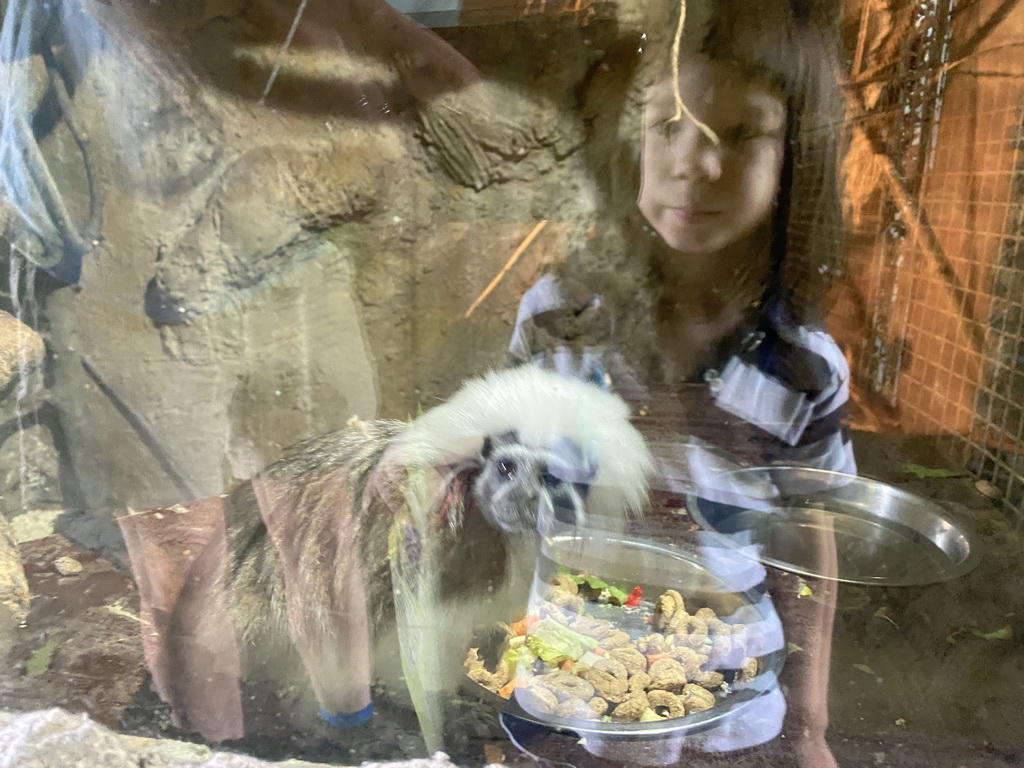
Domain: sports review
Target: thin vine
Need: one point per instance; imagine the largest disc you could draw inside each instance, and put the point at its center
(681, 108)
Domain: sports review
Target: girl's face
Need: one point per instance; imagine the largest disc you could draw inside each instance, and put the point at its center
(700, 197)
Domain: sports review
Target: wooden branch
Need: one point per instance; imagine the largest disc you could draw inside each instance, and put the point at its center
(925, 238)
(967, 49)
(508, 265)
(862, 35)
(998, 16)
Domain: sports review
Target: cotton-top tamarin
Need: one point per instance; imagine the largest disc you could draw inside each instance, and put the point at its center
(416, 527)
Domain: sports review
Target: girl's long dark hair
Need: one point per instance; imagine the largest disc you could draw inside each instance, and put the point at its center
(791, 46)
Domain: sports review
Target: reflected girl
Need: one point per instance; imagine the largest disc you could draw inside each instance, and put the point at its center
(719, 242)
(699, 299)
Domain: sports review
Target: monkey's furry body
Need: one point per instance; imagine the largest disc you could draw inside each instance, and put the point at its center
(318, 545)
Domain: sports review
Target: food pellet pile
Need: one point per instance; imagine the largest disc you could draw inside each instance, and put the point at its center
(563, 662)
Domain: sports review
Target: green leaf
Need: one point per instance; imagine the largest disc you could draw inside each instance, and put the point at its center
(805, 589)
(1005, 633)
(41, 657)
(929, 472)
(513, 657)
(554, 643)
(616, 595)
(591, 581)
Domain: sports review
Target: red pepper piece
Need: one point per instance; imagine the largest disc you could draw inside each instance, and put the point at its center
(634, 597)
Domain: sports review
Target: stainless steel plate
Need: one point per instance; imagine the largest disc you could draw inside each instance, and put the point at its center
(788, 517)
(702, 569)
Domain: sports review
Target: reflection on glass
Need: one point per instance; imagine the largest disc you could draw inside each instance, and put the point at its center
(650, 652)
(373, 555)
(699, 301)
(230, 226)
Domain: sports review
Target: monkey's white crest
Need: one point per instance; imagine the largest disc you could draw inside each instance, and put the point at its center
(543, 409)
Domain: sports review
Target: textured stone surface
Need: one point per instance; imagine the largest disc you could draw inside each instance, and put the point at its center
(14, 592)
(265, 272)
(34, 524)
(29, 470)
(54, 738)
(21, 349)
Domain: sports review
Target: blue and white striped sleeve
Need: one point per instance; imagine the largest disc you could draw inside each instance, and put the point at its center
(541, 332)
(543, 296)
(808, 422)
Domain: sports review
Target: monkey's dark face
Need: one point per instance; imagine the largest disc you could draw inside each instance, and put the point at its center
(517, 482)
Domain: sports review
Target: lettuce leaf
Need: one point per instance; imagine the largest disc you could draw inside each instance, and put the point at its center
(513, 657)
(616, 596)
(553, 643)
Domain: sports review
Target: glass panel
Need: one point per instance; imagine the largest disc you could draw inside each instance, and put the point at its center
(604, 382)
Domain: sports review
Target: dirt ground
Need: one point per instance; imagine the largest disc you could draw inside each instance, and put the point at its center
(921, 676)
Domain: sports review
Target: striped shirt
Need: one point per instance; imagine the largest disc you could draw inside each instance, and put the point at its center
(774, 393)
(788, 382)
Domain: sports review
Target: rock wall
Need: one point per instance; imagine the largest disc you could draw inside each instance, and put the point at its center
(54, 738)
(287, 236)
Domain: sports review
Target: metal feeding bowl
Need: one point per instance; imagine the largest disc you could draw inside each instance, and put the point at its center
(706, 571)
(789, 517)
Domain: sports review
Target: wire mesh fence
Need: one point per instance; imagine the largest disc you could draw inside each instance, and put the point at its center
(932, 309)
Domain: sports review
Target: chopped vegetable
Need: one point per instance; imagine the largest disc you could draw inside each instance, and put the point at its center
(634, 597)
(506, 690)
(617, 596)
(587, 660)
(598, 586)
(590, 581)
(513, 657)
(521, 627)
(554, 643)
